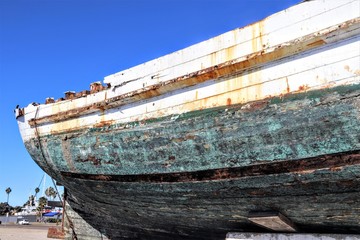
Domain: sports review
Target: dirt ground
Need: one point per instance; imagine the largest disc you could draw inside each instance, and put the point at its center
(35, 231)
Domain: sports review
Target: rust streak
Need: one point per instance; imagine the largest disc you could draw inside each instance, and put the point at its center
(304, 87)
(287, 85)
(317, 43)
(104, 123)
(228, 101)
(254, 106)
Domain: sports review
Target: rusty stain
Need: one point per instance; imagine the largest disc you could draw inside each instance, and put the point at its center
(356, 72)
(256, 39)
(317, 43)
(304, 87)
(287, 85)
(91, 159)
(261, 31)
(254, 106)
(229, 53)
(228, 101)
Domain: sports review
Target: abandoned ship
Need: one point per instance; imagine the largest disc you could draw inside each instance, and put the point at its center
(264, 118)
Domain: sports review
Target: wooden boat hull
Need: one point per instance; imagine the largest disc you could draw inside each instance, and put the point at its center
(262, 118)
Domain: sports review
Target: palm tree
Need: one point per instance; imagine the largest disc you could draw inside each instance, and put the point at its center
(31, 200)
(50, 192)
(8, 191)
(37, 190)
(54, 194)
(42, 204)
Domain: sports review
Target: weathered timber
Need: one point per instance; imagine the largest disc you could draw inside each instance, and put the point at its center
(326, 206)
(272, 220)
(84, 231)
(264, 118)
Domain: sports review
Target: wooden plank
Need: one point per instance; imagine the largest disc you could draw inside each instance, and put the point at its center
(272, 220)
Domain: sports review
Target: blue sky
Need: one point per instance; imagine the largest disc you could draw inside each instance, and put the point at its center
(48, 47)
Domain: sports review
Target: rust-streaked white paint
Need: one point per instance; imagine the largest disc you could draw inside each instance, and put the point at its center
(334, 64)
(299, 20)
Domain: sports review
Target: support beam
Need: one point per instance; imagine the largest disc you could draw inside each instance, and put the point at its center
(272, 220)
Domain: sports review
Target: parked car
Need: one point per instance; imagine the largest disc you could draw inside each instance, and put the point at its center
(24, 222)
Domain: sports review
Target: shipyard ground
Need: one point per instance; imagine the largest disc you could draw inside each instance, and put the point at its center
(38, 231)
(34, 231)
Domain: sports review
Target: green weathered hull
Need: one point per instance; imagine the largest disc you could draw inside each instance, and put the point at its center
(199, 174)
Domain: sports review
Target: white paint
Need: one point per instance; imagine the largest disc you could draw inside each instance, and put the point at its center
(281, 27)
(334, 64)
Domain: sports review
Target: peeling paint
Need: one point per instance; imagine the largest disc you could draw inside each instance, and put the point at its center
(217, 71)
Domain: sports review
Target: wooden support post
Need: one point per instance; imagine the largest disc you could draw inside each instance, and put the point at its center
(272, 220)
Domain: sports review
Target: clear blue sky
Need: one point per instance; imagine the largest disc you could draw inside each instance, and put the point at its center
(48, 47)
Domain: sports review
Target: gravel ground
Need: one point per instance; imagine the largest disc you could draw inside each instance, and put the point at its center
(35, 231)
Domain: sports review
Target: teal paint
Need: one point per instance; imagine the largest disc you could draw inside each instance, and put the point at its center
(217, 138)
(287, 129)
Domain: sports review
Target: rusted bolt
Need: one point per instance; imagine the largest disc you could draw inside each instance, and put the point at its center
(96, 87)
(49, 100)
(69, 95)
